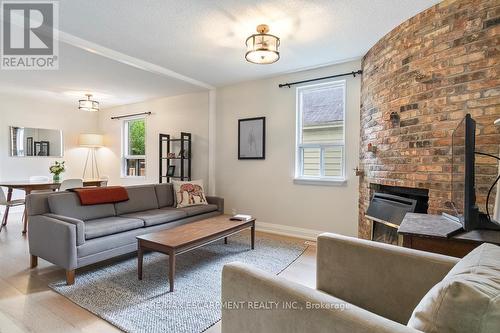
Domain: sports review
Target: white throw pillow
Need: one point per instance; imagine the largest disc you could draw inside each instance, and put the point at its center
(467, 299)
(189, 193)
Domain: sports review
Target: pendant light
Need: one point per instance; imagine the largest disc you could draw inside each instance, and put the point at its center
(262, 48)
(88, 104)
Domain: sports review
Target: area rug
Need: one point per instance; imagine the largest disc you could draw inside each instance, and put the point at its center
(114, 293)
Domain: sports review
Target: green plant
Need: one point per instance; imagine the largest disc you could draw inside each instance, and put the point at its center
(57, 168)
(137, 132)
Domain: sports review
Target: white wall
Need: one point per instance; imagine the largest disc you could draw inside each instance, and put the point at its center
(170, 115)
(265, 188)
(23, 111)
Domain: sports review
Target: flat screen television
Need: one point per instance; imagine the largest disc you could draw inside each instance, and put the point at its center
(463, 189)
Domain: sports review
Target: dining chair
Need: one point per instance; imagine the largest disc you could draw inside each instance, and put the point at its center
(68, 184)
(104, 179)
(11, 203)
(39, 179)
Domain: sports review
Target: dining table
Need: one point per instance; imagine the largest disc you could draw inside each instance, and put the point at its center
(30, 186)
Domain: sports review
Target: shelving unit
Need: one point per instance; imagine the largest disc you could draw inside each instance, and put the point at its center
(182, 161)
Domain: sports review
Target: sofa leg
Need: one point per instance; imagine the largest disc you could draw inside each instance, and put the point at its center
(70, 277)
(33, 261)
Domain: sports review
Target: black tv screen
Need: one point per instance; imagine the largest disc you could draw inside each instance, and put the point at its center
(462, 173)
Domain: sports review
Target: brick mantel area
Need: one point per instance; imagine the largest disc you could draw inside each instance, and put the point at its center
(418, 82)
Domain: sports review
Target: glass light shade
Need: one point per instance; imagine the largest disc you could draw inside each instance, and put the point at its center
(91, 140)
(262, 49)
(88, 104)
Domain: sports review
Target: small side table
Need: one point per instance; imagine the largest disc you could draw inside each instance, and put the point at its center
(435, 233)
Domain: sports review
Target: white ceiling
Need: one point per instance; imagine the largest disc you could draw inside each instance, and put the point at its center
(80, 72)
(203, 40)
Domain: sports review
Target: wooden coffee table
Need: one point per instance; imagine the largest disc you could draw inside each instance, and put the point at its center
(188, 237)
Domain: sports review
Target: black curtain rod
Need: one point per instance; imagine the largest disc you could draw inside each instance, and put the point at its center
(289, 85)
(131, 115)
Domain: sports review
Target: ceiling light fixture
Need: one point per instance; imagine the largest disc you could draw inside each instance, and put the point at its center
(88, 104)
(262, 48)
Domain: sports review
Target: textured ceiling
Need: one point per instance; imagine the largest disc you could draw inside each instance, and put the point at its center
(204, 40)
(112, 83)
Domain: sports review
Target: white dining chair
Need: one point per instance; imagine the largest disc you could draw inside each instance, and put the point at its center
(11, 203)
(39, 179)
(68, 184)
(104, 180)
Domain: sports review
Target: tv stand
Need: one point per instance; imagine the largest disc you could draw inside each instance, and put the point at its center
(485, 223)
(435, 233)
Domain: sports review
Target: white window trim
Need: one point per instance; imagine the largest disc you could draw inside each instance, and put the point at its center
(124, 144)
(319, 180)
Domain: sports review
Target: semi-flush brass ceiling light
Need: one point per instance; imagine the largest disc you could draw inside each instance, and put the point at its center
(262, 48)
(88, 104)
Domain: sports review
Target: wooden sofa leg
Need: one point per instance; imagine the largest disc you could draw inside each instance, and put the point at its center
(33, 261)
(70, 277)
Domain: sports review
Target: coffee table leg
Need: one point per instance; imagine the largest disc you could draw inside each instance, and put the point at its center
(252, 232)
(171, 270)
(225, 240)
(139, 261)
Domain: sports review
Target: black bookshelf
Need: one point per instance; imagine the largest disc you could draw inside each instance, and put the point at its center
(182, 160)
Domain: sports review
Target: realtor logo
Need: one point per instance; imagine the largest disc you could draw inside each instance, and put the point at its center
(29, 35)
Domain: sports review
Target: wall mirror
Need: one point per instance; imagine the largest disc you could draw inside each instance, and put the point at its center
(27, 141)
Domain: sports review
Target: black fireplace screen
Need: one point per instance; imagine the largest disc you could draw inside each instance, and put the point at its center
(387, 212)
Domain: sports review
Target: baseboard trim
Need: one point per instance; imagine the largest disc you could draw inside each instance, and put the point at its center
(286, 230)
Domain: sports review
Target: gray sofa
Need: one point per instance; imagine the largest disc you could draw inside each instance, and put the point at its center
(70, 235)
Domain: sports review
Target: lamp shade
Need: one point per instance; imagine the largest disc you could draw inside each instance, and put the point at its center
(91, 140)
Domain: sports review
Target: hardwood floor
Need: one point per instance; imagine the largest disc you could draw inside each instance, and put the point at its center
(28, 305)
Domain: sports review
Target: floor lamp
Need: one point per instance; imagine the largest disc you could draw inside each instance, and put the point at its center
(92, 142)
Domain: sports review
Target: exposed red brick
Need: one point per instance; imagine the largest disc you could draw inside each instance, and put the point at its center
(432, 70)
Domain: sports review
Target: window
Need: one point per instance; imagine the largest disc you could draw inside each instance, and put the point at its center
(134, 148)
(320, 132)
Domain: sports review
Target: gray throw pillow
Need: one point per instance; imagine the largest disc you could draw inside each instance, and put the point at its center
(467, 299)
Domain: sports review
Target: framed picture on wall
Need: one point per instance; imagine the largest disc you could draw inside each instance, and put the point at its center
(252, 138)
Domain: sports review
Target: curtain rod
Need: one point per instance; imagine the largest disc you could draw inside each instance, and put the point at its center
(131, 115)
(289, 85)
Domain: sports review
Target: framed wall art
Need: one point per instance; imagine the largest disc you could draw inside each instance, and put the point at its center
(252, 138)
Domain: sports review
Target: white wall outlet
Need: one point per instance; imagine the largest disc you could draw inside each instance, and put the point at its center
(233, 211)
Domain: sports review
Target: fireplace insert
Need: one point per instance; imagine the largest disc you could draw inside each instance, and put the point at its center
(386, 211)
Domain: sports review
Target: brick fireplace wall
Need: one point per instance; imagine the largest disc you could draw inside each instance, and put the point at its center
(430, 71)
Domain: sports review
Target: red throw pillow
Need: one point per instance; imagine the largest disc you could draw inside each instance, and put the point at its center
(101, 195)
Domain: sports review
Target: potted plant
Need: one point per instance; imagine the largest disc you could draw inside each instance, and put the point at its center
(56, 171)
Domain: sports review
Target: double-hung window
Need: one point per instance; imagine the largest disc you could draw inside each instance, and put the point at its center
(134, 147)
(320, 140)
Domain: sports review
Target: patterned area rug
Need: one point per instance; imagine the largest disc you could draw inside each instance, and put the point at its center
(114, 293)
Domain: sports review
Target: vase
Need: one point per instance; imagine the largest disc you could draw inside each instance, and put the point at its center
(56, 178)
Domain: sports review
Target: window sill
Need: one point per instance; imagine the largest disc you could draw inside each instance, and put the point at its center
(320, 181)
(133, 177)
